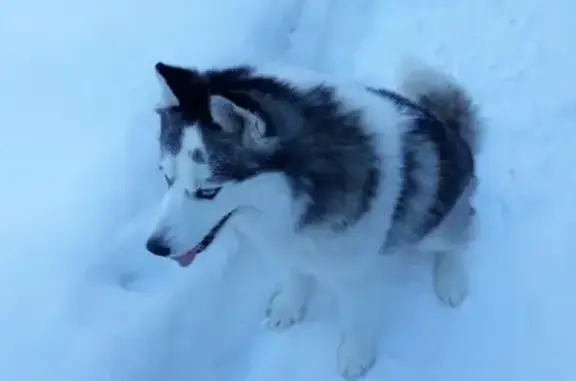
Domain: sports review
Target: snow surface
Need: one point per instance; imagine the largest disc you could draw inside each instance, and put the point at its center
(81, 300)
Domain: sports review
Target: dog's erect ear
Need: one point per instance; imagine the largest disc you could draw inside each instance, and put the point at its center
(190, 88)
(249, 129)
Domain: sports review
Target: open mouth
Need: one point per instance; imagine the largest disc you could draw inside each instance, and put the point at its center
(188, 257)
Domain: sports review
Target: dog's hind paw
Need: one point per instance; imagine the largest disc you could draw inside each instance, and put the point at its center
(450, 279)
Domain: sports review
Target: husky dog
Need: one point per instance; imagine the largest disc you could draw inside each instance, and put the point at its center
(323, 177)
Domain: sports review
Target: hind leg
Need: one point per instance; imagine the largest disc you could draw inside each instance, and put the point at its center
(450, 277)
(449, 272)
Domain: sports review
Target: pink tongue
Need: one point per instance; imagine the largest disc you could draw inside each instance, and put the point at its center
(187, 258)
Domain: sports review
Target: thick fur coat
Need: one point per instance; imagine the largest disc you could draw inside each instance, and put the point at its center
(324, 178)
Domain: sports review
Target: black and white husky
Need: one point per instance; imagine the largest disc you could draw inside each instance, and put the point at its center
(323, 177)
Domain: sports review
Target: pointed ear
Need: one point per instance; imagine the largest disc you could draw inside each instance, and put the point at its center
(190, 88)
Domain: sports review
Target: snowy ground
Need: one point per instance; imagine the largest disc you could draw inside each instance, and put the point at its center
(81, 300)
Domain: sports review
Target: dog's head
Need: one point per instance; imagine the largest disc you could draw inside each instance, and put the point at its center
(208, 146)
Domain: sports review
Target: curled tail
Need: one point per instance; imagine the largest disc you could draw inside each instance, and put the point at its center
(446, 99)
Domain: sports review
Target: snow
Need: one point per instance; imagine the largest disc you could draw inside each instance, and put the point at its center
(81, 300)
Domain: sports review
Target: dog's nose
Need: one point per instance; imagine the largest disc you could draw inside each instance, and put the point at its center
(157, 246)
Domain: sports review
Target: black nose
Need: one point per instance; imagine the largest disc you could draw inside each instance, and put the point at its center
(157, 246)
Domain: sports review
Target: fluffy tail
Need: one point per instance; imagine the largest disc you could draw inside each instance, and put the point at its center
(444, 97)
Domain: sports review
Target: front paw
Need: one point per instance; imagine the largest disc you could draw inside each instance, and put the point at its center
(286, 308)
(355, 357)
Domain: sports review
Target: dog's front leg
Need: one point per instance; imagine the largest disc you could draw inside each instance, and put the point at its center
(360, 324)
(288, 304)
